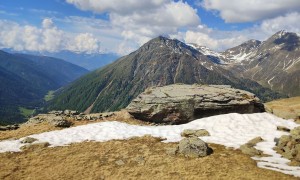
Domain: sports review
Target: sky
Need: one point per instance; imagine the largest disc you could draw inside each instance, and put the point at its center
(122, 26)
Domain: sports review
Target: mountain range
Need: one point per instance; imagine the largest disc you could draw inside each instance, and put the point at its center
(274, 63)
(26, 79)
(89, 61)
(264, 68)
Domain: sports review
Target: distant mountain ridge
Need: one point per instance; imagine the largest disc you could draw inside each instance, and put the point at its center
(26, 79)
(89, 61)
(159, 62)
(274, 63)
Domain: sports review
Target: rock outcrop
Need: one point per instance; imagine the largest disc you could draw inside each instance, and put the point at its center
(194, 133)
(9, 127)
(289, 146)
(249, 147)
(53, 119)
(179, 103)
(62, 118)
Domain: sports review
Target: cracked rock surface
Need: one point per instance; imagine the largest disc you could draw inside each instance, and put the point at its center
(180, 103)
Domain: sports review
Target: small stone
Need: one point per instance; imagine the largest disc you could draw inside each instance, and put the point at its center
(120, 162)
(295, 131)
(254, 141)
(193, 147)
(250, 150)
(61, 123)
(283, 141)
(196, 133)
(28, 140)
(282, 128)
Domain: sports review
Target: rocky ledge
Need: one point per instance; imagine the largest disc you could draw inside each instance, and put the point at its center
(179, 103)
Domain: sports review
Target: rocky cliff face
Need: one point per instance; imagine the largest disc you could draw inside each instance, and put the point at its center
(178, 103)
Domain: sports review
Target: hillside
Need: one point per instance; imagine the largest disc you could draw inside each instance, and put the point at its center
(288, 108)
(274, 63)
(25, 80)
(159, 62)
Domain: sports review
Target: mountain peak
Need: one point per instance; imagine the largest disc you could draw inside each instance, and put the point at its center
(162, 43)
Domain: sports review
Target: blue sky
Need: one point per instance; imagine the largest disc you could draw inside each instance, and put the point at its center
(121, 26)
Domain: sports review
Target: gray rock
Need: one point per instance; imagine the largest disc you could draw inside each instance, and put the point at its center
(193, 147)
(56, 112)
(28, 140)
(254, 141)
(179, 103)
(9, 127)
(289, 146)
(194, 132)
(53, 119)
(249, 148)
(74, 113)
(60, 123)
(282, 128)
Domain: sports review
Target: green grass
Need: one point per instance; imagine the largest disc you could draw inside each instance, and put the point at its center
(49, 96)
(26, 112)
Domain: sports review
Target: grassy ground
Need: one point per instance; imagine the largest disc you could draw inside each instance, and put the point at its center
(288, 108)
(26, 112)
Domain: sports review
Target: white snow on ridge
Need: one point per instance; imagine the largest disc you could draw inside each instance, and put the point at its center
(231, 130)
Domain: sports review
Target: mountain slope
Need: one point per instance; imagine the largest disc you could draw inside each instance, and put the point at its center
(159, 62)
(274, 63)
(26, 79)
(87, 61)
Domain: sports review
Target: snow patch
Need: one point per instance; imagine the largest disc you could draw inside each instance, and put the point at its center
(231, 130)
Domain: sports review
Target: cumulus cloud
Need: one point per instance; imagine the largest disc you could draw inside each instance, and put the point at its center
(85, 43)
(250, 10)
(141, 20)
(47, 23)
(47, 38)
(117, 6)
(288, 22)
(215, 43)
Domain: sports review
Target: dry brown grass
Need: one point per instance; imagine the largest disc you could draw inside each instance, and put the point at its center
(144, 158)
(288, 108)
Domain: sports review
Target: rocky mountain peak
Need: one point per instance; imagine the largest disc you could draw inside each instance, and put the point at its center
(284, 40)
(162, 43)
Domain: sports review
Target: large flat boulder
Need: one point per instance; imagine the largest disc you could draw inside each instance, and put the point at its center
(180, 103)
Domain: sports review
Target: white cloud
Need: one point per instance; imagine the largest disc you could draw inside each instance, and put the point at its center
(288, 22)
(47, 23)
(117, 6)
(251, 10)
(140, 20)
(144, 25)
(48, 38)
(85, 43)
(217, 44)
